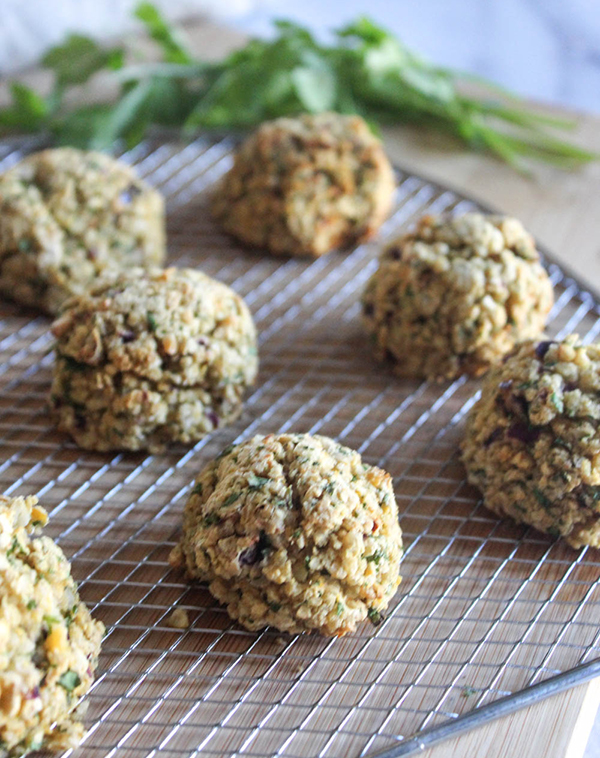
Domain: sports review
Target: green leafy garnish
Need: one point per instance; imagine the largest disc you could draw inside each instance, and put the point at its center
(28, 111)
(69, 680)
(366, 70)
(198, 489)
(31, 605)
(172, 44)
(152, 322)
(90, 58)
(212, 518)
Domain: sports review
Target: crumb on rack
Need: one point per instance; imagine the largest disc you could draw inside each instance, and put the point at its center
(179, 619)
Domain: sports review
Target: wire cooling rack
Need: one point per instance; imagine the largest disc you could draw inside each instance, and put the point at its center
(486, 610)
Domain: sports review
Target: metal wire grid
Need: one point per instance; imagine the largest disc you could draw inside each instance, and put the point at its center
(486, 608)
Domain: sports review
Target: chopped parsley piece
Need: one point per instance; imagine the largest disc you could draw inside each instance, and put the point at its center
(15, 547)
(557, 402)
(275, 607)
(69, 680)
(339, 608)
(212, 519)
(225, 451)
(376, 557)
(31, 605)
(198, 489)
(74, 365)
(70, 614)
(257, 482)
(562, 443)
(375, 616)
(468, 691)
(231, 499)
(152, 322)
(541, 498)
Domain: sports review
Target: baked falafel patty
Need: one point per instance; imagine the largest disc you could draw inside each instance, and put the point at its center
(49, 643)
(306, 185)
(456, 295)
(532, 444)
(294, 531)
(151, 357)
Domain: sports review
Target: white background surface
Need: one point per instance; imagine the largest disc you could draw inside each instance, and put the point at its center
(544, 49)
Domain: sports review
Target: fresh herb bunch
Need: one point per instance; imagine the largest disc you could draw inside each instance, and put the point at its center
(367, 71)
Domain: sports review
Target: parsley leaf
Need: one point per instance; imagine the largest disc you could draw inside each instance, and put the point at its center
(78, 58)
(28, 110)
(172, 43)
